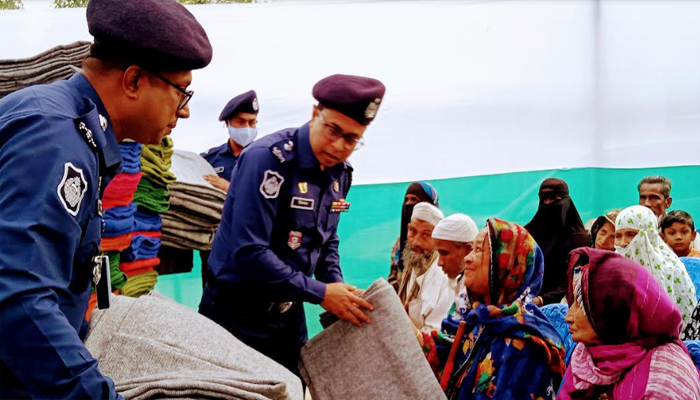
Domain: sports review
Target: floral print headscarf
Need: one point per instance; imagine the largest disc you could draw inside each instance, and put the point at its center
(649, 249)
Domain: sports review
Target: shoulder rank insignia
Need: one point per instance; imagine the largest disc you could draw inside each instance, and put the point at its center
(278, 153)
(86, 133)
(289, 145)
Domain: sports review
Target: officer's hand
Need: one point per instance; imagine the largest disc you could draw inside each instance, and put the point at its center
(341, 301)
(217, 182)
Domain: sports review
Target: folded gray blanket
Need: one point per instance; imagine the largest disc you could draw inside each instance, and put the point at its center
(52, 65)
(153, 347)
(70, 50)
(188, 240)
(179, 241)
(183, 203)
(381, 360)
(190, 219)
(173, 223)
(199, 191)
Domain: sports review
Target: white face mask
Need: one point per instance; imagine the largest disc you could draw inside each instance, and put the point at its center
(242, 136)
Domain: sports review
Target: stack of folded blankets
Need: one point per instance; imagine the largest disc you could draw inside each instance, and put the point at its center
(152, 194)
(119, 215)
(140, 258)
(120, 211)
(52, 65)
(195, 205)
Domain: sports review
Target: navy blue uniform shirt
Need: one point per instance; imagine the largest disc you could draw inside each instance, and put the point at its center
(277, 230)
(49, 232)
(222, 159)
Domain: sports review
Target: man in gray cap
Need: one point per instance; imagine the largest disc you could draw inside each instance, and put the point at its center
(279, 225)
(59, 147)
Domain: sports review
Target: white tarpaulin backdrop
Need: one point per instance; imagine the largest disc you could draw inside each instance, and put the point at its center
(473, 87)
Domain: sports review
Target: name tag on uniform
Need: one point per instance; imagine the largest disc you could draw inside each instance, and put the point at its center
(219, 170)
(302, 203)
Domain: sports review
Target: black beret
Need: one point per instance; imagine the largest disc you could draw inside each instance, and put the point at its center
(246, 102)
(355, 96)
(158, 34)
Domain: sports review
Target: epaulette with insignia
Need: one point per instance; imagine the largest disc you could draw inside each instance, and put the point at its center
(283, 150)
(87, 134)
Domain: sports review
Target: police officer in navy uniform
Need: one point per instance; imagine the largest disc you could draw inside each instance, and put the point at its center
(278, 228)
(58, 148)
(240, 117)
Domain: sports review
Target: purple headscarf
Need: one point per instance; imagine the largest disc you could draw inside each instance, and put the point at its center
(632, 316)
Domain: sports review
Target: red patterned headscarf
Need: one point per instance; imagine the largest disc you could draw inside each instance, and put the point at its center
(517, 263)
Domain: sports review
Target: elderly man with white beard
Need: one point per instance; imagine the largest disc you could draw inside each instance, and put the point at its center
(424, 288)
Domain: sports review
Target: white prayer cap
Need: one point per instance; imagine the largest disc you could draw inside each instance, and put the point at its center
(457, 228)
(427, 212)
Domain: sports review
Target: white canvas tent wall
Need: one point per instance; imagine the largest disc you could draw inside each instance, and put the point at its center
(553, 84)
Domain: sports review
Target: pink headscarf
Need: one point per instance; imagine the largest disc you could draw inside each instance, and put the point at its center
(632, 316)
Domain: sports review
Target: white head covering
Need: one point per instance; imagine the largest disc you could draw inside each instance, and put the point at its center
(428, 213)
(457, 228)
(649, 249)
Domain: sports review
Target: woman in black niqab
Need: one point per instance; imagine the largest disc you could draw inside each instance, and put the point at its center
(557, 229)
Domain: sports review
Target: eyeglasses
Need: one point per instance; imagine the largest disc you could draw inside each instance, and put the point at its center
(187, 93)
(350, 140)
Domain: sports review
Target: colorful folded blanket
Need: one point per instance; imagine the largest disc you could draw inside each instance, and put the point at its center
(138, 267)
(145, 221)
(117, 243)
(120, 191)
(119, 220)
(131, 157)
(140, 284)
(141, 248)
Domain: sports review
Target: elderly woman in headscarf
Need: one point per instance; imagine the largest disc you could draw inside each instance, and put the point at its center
(417, 192)
(603, 231)
(637, 237)
(627, 332)
(505, 348)
(557, 229)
